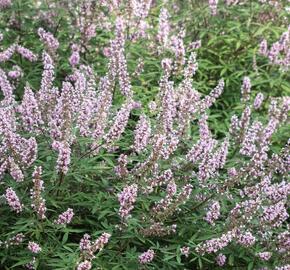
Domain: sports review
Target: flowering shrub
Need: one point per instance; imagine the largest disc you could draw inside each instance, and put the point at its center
(122, 144)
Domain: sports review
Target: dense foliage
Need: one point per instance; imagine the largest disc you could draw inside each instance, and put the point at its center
(144, 134)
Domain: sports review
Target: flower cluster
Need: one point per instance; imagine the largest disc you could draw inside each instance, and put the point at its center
(216, 244)
(34, 247)
(221, 259)
(147, 256)
(15, 240)
(13, 200)
(213, 212)
(48, 39)
(163, 28)
(75, 56)
(246, 89)
(213, 6)
(38, 204)
(278, 53)
(89, 248)
(185, 251)
(65, 217)
(5, 4)
(265, 256)
(127, 199)
(142, 134)
(15, 73)
(246, 239)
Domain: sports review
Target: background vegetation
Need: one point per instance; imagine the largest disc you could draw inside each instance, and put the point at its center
(229, 49)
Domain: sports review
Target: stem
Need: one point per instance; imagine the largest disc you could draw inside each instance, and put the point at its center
(91, 151)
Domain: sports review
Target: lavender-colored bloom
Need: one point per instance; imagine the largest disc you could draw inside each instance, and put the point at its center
(258, 101)
(213, 6)
(34, 247)
(5, 4)
(152, 106)
(234, 127)
(168, 105)
(107, 52)
(192, 66)
(48, 39)
(87, 106)
(215, 244)
(221, 259)
(15, 170)
(29, 152)
(159, 229)
(118, 63)
(3, 168)
(284, 241)
(47, 93)
(15, 73)
(26, 53)
(19, 152)
(195, 45)
(31, 265)
(279, 53)
(185, 251)
(120, 122)
(38, 203)
(62, 115)
(63, 159)
(246, 89)
(177, 46)
(212, 160)
(89, 248)
(85, 243)
(90, 31)
(162, 179)
(274, 52)
(65, 217)
(163, 205)
(121, 169)
(212, 97)
(275, 214)
(142, 134)
(7, 54)
(147, 256)
(15, 240)
(163, 28)
(263, 50)
(246, 239)
(74, 59)
(13, 200)
(265, 256)
(124, 79)
(127, 198)
(171, 189)
(6, 88)
(141, 8)
(248, 145)
(103, 105)
(167, 67)
(245, 118)
(86, 265)
(213, 212)
(29, 111)
(100, 242)
(184, 195)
